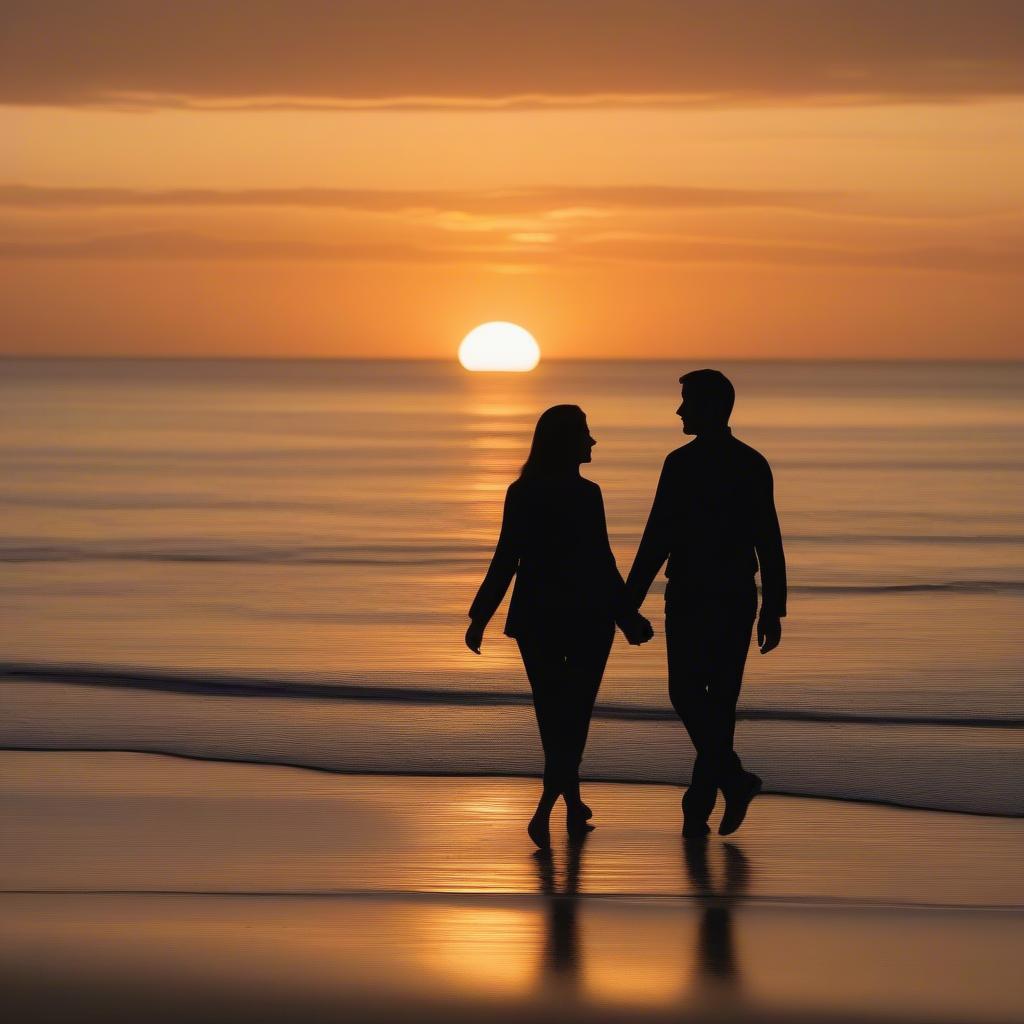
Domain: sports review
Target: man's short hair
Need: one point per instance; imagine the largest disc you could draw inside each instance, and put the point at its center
(712, 390)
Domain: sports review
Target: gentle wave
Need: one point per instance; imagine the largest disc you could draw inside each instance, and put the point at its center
(340, 554)
(219, 550)
(223, 685)
(945, 586)
(414, 554)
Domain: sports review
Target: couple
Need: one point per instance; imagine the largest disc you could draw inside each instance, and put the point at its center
(714, 521)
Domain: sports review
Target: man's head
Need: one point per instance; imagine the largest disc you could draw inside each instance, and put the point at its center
(708, 397)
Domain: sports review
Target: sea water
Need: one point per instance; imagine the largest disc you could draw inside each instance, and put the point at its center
(272, 561)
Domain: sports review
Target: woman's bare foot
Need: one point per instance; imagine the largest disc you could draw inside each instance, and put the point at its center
(577, 818)
(539, 830)
(574, 804)
(579, 809)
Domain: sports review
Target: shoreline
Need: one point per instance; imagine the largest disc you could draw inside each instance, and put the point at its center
(481, 774)
(945, 768)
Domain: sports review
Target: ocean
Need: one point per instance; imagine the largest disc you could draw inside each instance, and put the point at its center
(271, 561)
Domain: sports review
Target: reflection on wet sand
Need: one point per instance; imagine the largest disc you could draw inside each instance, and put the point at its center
(717, 974)
(718, 877)
(561, 965)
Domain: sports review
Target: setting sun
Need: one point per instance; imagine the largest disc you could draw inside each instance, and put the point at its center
(499, 345)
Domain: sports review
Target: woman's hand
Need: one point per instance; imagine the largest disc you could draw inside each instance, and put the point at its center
(475, 636)
(637, 630)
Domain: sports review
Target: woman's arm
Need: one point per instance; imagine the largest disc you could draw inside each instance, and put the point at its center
(504, 563)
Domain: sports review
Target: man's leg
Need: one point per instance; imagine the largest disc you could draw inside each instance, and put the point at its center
(729, 628)
(686, 640)
(734, 619)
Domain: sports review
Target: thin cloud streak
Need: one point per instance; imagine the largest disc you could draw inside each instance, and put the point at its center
(560, 202)
(487, 202)
(750, 99)
(410, 53)
(182, 245)
(1004, 259)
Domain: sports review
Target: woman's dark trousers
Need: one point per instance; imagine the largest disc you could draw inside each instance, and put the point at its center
(565, 669)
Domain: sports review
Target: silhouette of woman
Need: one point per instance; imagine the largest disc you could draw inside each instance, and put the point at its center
(568, 597)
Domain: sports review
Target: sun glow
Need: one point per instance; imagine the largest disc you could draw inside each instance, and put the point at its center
(499, 345)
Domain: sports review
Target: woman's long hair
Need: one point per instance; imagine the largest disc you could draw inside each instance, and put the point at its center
(556, 443)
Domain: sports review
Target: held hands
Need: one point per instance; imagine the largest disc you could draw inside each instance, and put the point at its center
(637, 630)
(475, 636)
(769, 632)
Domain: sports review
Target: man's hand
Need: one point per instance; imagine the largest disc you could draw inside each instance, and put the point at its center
(769, 632)
(637, 630)
(475, 636)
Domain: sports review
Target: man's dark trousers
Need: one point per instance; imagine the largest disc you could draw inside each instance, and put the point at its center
(708, 636)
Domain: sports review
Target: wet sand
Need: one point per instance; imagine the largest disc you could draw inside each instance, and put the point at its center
(147, 887)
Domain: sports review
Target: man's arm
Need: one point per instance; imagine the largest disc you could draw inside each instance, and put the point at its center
(656, 542)
(772, 562)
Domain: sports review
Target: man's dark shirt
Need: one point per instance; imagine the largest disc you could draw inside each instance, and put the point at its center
(714, 519)
(554, 540)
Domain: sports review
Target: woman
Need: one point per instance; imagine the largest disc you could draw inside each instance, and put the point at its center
(568, 597)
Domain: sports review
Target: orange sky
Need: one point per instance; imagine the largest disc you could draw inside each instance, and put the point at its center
(777, 178)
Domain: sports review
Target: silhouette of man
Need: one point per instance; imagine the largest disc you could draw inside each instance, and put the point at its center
(714, 521)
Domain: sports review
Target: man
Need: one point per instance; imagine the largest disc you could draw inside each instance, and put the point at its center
(714, 520)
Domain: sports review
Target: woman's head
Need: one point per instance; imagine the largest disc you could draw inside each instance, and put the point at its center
(561, 441)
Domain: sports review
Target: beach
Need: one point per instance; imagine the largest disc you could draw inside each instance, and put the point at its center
(174, 888)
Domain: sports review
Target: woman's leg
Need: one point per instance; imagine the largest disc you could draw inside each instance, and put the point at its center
(585, 665)
(544, 662)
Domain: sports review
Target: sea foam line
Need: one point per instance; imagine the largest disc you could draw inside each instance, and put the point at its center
(225, 685)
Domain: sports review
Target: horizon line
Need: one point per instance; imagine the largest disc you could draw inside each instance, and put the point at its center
(453, 360)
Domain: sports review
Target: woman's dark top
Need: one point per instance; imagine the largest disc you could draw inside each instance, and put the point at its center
(554, 540)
